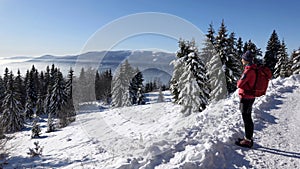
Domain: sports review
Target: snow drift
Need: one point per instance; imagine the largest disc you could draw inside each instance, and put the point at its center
(158, 136)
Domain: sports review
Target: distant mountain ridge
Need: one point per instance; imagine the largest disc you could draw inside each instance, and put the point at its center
(158, 62)
(17, 57)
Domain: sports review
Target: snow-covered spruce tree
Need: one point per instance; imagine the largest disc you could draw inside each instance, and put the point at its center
(136, 88)
(228, 60)
(199, 71)
(42, 93)
(281, 67)
(98, 86)
(221, 43)
(239, 47)
(103, 85)
(69, 83)
(6, 77)
(209, 42)
(20, 86)
(85, 86)
(59, 98)
(141, 89)
(190, 95)
(271, 53)
(217, 83)
(40, 104)
(31, 93)
(120, 85)
(47, 100)
(133, 88)
(80, 87)
(233, 64)
(32, 85)
(69, 113)
(194, 90)
(28, 111)
(289, 66)
(11, 119)
(178, 64)
(49, 80)
(119, 88)
(106, 89)
(296, 62)
(2, 93)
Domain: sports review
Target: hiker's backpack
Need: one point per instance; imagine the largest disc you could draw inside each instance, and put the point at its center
(263, 75)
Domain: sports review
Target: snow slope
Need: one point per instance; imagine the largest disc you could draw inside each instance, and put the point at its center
(158, 136)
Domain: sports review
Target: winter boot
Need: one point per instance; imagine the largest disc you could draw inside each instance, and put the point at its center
(244, 142)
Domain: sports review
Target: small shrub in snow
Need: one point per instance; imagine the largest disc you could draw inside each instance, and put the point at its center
(36, 130)
(36, 151)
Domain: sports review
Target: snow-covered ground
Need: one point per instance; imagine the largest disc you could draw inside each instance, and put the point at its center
(156, 135)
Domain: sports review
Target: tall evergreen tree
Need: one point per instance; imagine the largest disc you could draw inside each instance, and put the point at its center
(12, 119)
(69, 83)
(273, 46)
(47, 80)
(209, 43)
(281, 68)
(32, 86)
(211, 34)
(227, 52)
(107, 85)
(120, 85)
(192, 81)
(222, 43)
(217, 80)
(42, 93)
(239, 47)
(233, 64)
(40, 104)
(141, 89)
(6, 77)
(103, 85)
(207, 50)
(58, 95)
(296, 62)
(2, 93)
(29, 112)
(136, 88)
(31, 95)
(69, 112)
(20, 86)
(178, 64)
(98, 86)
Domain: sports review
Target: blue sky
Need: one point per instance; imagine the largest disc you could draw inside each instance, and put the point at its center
(61, 27)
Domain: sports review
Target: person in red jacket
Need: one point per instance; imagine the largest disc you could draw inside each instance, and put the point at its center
(245, 85)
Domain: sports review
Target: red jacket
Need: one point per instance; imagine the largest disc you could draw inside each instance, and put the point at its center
(246, 82)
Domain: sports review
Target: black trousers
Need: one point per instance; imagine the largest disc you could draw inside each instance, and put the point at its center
(246, 109)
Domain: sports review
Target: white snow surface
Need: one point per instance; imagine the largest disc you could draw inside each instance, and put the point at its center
(158, 136)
